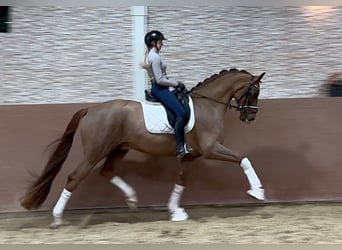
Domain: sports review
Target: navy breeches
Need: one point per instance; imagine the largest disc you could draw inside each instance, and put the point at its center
(168, 99)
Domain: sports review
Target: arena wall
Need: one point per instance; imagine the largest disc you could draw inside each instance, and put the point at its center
(295, 146)
(55, 54)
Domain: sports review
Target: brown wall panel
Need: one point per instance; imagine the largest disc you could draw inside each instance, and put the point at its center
(294, 145)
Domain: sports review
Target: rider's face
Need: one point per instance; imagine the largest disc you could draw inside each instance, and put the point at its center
(159, 44)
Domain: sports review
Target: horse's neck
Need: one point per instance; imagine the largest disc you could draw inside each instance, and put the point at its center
(235, 83)
(222, 89)
(216, 97)
(241, 82)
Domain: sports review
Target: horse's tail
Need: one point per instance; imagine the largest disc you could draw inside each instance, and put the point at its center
(39, 190)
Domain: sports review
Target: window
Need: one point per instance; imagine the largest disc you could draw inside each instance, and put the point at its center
(4, 20)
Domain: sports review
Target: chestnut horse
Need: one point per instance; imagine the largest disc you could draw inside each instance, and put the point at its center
(110, 129)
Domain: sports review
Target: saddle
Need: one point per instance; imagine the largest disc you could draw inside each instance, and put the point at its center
(182, 96)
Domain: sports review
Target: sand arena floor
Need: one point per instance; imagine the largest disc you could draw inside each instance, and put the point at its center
(275, 223)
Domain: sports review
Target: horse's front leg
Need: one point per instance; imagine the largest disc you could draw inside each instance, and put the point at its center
(220, 152)
(176, 212)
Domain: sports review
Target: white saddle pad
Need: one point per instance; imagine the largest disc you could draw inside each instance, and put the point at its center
(156, 118)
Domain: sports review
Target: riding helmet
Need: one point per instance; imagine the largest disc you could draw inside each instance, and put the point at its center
(153, 36)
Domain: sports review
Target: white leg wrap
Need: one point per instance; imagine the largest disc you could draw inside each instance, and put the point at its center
(121, 184)
(250, 173)
(177, 213)
(256, 189)
(252, 178)
(61, 203)
(176, 194)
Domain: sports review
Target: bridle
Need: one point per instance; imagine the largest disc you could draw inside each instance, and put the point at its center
(242, 101)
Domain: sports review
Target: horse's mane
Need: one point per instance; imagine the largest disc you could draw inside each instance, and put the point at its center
(216, 76)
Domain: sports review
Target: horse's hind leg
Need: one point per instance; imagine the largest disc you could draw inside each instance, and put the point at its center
(108, 171)
(178, 213)
(74, 179)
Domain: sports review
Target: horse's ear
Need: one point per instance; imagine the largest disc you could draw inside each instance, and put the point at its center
(261, 76)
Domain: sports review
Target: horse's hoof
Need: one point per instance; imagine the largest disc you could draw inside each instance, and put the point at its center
(132, 201)
(58, 222)
(179, 215)
(257, 193)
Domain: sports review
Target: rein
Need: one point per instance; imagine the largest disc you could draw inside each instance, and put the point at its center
(209, 98)
(238, 107)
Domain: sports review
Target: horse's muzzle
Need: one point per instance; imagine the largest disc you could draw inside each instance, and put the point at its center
(247, 120)
(247, 117)
(250, 120)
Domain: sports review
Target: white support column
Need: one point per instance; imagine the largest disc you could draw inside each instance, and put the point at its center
(139, 14)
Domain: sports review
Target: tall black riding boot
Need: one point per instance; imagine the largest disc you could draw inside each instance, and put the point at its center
(181, 148)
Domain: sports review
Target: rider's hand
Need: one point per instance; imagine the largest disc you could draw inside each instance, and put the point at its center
(180, 86)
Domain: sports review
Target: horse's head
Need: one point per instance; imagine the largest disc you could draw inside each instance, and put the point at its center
(238, 84)
(247, 98)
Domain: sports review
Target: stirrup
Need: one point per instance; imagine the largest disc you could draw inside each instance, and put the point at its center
(185, 151)
(188, 149)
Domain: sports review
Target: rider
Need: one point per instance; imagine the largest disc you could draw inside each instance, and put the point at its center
(156, 70)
